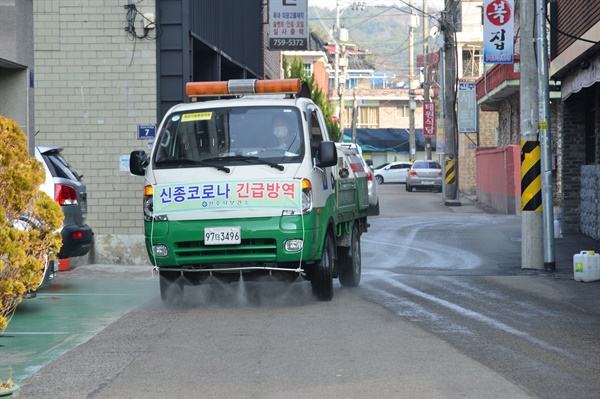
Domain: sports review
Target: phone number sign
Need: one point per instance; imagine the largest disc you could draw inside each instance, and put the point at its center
(288, 24)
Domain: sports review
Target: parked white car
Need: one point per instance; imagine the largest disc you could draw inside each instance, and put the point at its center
(395, 172)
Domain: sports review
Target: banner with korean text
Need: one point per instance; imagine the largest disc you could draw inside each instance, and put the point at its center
(498, 31)
(468, 115)
(281, 194)
(429, 119)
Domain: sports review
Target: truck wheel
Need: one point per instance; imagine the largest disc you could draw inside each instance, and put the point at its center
(322, 278)
(350, 260)
(374, 210)
(171, 287)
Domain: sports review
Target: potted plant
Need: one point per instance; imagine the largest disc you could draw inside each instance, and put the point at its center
(23, 252)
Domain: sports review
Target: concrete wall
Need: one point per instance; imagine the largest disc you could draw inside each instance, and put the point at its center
(499, 178)
(94, 85)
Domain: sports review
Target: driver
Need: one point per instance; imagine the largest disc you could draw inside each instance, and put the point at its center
(284, 132)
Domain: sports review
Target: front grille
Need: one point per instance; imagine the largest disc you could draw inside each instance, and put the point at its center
(256, 247)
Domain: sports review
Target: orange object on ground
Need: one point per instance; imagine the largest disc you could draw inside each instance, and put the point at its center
(64, 264)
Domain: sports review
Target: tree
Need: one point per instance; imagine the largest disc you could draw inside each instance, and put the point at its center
(296, 70)
(23, 251)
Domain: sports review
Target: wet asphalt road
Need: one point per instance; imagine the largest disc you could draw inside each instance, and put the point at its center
(443, 311)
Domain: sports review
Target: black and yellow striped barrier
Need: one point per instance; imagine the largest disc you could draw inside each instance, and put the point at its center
(531, 176)
(450, 171)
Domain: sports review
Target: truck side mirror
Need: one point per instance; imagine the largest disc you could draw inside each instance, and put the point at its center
(326, 154)
(138, 160)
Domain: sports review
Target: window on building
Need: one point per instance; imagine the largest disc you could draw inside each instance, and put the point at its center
(402, 111)
(368, 117)
(472, 62)
(308, 70)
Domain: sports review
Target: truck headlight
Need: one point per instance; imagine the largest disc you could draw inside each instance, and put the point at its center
(148, 208)
(149, 211)
(293, 245)
(160, 250)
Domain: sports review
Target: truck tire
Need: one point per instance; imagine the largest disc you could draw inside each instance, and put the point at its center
(374, 209)
(350, 260)
(171, 287)
(322, 278)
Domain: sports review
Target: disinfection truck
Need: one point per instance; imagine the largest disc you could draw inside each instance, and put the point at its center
(248, 183)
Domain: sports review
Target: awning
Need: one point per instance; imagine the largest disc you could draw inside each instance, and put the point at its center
(395, 140)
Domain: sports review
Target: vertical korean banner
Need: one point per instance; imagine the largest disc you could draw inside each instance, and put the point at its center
(498, 31)
(468, 117)
(288, 24)
(429, 119)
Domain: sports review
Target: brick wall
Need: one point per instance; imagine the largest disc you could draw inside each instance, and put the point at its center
(321, 76)
(94, 85)
(467, 165)
(573, 147)
(580, 182)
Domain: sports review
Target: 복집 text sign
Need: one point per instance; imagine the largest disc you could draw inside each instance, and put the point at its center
(288, 24)
(281, 194)
(498, 31)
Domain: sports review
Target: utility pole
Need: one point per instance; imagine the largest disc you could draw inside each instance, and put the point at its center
(411, 88)
(336, 79)
(426, 71)
(354, 115)
(531, 217)
(450, 175)
(545, 136)
(336, 37)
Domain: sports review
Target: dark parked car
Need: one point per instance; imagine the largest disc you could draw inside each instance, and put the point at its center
(66, 186)
(425, 175)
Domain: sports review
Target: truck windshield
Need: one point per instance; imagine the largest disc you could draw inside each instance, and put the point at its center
(230, 136)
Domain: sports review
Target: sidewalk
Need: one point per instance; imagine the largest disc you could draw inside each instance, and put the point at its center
(564, 247)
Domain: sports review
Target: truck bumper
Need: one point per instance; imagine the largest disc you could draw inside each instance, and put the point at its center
(261, 247)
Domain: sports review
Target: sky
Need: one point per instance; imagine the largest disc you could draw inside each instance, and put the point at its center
(345, 3)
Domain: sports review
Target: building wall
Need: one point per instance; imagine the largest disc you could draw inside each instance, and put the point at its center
(467, 147)
(272, 59)
(579, 180)
(574, 17)
(94, 85)
(389, 118)
(498, 179)
(321, 76)
(16, 64)
(573, 145)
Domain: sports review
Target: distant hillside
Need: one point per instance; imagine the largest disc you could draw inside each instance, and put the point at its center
(381, 30)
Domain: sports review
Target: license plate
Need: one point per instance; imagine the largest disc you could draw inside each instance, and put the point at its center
(426, 182)
(222, 235)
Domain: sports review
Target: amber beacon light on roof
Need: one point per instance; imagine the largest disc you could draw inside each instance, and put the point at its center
(243, 86)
